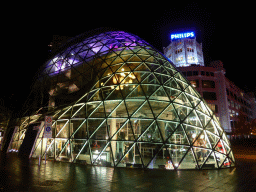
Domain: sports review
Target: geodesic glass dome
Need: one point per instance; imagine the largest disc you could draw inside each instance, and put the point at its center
(116, 101)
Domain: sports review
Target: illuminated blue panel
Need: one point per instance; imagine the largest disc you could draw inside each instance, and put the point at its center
(182, 35)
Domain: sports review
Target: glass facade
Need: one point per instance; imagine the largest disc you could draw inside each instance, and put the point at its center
(116, 101)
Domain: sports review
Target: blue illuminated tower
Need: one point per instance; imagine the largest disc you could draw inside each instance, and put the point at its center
(184, 50)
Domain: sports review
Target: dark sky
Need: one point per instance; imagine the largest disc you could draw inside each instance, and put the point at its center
(226, 31)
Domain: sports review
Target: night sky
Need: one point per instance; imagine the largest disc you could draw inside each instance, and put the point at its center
(226, 32)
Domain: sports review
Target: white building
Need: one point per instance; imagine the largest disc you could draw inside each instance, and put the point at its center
(184, 50)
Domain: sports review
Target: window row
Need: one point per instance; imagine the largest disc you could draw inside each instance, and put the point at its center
(233, 95)
(204, 84)
(196, 73)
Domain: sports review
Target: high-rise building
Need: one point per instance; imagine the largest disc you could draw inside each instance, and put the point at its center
(184, 50)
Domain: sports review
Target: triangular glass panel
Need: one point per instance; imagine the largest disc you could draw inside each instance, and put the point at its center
(206, 160)
(142, 67)
(169, 114)
(211, 162)
(192, 119)
(172, 93)
(144, 112)
(149, 152)
(119, 149)
(167, 128)
(220, 147)
(134, 58)
(62, 129)
(109, 60)
(78, 129)
(126, 55)
(149, 89)
(211, 128)
(139, 126)
(183, 100)
(110, 105)
(193, 100)
(212, 138)
(192, 132)
(227, 163)
(99, 111)
(133, 105)
(153, 66)
(204, 118)
(150, 79)
(120, 129)
(90, 109)
(93, 125)
(157, 106)
(172, 84)
(101, 133)
(231, 156)
(62, 149)
(131, 157)
(162, 78)
(178, 137)
(182, 111)
(97, 149)
(104, 158)
(144, 57)
(202, 141)
(192, 92)
(182, 84)
(115, 66)
(143, 52)
(152, 134)
(94, 95)
(180, 77)
(132, 65)
(136, 93)
(162, 159)
(124, 69)
(162, 70)
(203, 108)
(140, 76)
(171, 71)
(177, 153)
(160, 94)
(220, 158)
(120, 110)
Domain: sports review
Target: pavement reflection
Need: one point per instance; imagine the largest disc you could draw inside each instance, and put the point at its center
(19, 174)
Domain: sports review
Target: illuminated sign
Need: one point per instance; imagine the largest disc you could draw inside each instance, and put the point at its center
(182, 35)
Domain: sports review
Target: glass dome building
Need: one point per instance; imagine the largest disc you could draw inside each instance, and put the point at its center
(116, 101)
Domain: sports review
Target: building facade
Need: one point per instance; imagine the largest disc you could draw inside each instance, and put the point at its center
(184, 50)
(223, 96)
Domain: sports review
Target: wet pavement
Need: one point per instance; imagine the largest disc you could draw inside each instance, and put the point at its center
(17, 174)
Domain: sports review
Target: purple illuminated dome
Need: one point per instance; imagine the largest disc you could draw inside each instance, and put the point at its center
(116, 101)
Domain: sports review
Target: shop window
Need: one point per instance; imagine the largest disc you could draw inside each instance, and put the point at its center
(209, 96)
(208, 84)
